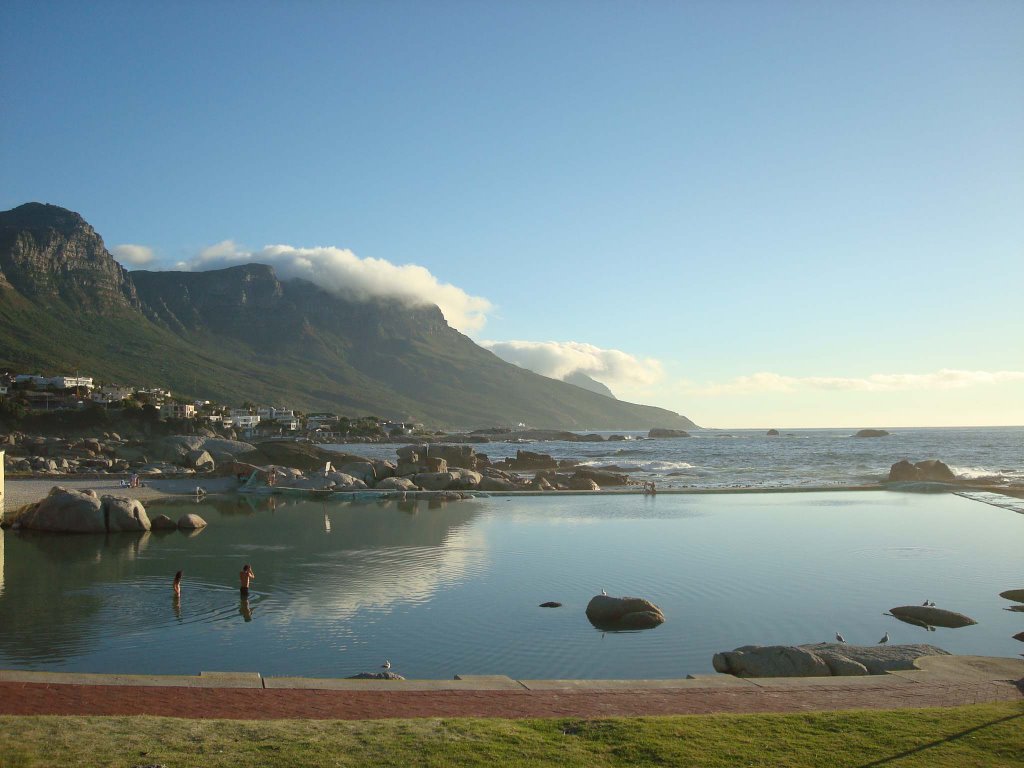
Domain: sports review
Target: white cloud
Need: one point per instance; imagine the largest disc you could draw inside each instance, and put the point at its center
(340, 271)
(946, 378)
(134, 255)
(558, 359)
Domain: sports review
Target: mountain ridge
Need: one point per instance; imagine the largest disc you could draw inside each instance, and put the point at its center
(241, 333)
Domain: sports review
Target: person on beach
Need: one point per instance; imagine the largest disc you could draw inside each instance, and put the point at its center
(245, 577)
(177, 583)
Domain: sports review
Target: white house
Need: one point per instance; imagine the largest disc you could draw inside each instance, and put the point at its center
(111, 394)
(178, 411)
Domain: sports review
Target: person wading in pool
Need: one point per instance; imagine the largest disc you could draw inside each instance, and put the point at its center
(245, 577)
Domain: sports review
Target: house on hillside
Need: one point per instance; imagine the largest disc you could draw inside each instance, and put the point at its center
(106, 395)
(178, 411)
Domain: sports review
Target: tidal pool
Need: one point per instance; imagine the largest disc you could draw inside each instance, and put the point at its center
(445, 589)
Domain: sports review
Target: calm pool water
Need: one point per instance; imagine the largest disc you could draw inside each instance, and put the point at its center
(454, 589)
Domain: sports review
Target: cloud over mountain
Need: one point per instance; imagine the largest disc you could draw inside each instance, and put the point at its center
(558, 359)
(134, 255)
(341, 271)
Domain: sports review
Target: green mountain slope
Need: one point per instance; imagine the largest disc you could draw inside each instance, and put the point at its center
(241, 334)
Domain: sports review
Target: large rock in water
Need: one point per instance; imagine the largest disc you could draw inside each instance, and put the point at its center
(820, 660)
(657, 433)
(923, 615)
(66, 511)
(615, 613)
(70, 511)
(530, 460)
(932, 470)
(872, 433)
(124, 514)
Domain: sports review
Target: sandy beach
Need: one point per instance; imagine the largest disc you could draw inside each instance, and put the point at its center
(18, 492)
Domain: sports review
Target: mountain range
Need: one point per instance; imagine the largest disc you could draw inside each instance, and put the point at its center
(241, 333)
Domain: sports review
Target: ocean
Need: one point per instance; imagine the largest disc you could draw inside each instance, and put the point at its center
(797, 458)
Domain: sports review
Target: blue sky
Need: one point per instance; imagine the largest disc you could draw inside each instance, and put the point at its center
(777, 214)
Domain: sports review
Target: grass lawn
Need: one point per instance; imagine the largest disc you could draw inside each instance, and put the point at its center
(984, 735)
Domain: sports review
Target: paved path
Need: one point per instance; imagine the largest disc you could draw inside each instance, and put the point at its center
(941, 682)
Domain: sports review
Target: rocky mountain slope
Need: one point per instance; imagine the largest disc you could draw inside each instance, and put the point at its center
(242, 334)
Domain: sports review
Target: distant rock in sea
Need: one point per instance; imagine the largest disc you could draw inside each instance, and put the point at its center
(872, 433)
(665, 433)
(773, 433)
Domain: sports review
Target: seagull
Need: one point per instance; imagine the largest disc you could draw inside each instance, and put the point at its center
(885, 639)
(604, 593)
(931, 603)
(386, 664)
(840, 638)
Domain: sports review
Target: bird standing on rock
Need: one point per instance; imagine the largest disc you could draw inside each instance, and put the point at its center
(840, 638)
(885, 639)
(386, 664)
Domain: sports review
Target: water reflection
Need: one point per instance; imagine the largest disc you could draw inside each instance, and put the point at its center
(244, 609)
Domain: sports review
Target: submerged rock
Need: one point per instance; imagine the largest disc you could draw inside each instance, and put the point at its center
(550, 604)
(191, 522)
(1017, 595)
(924, 615)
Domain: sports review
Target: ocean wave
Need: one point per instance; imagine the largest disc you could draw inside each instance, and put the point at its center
(984, 473)
(645, 466)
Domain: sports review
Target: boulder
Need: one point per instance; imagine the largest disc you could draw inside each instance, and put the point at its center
(773, 433)
(455, 455)
(411, 453)
(531, 460)
(434, 481)
(124, 514)
(582, 484)
(465, 479)
(820, 659)
(162, 523)
(363, 470)
(497, 484)
(872, 433)
(601, 476)
(931, 470)
(659, 433)
(1017, 595)
(396, 484)
(130, 453)
(191, 522)
(376, 676)
(201, 460)
(930, 616)
(65, 511)
(435, 464)
(616, 613)
(771, 661)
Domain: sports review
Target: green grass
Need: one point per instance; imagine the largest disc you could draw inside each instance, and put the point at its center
(986, 735)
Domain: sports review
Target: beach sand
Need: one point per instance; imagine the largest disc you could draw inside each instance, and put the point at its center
(18, 492)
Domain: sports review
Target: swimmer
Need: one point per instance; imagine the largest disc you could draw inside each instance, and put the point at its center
(245, 577)
(177, 583)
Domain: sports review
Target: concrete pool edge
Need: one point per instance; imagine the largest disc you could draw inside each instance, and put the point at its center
(930, 670)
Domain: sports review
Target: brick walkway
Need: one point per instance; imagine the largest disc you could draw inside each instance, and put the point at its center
(21, 698)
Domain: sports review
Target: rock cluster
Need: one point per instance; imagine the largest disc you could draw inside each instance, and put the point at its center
(820, 659)
(66, 510)
(932, 470)
(110, 454)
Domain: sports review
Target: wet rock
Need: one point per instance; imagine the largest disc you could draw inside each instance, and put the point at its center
(1017, 595)
(617, 613)
(872, 433)
(162, 523)
(773, 433)
(191, 522)
(659, 433)
(376, 676)
(550, 604)
(929, 616)
(602, 477)
(771, 661)
(497, 484)
(582, 484)
(434, 481)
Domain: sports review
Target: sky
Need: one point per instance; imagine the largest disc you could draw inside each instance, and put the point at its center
(785, 214)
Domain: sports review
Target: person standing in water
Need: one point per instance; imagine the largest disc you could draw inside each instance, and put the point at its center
(177, 583)
(245, 577)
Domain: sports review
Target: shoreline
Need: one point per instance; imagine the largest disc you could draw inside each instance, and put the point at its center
(22, 491)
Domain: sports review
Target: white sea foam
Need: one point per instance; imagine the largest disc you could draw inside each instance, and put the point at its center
(643, 466)
(984, 473)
